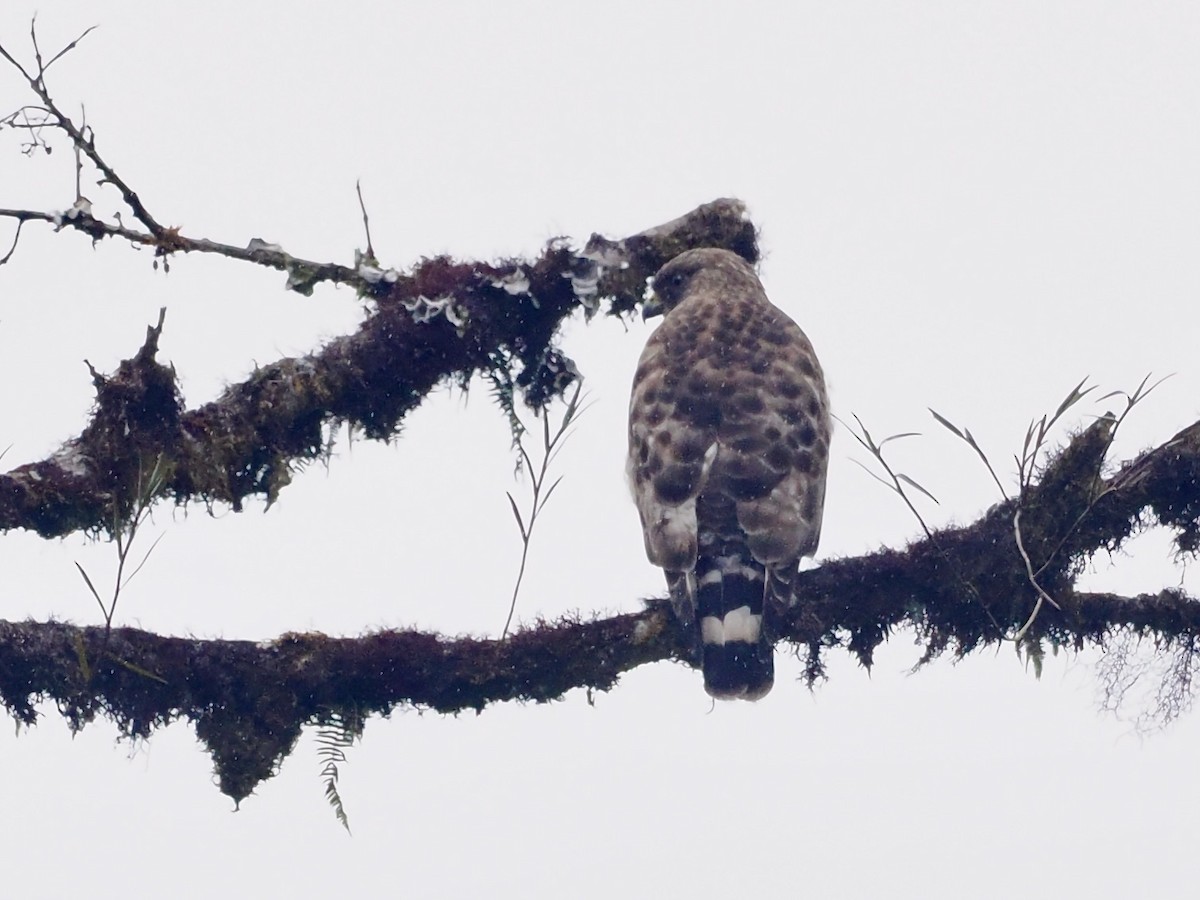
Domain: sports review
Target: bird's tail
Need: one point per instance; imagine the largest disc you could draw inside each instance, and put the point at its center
(737, 654)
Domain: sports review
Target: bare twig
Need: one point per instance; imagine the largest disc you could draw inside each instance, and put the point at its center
(65, 50)
(16, 237)
(370, 255)
(1042, 595)
(302, 274)
(81, 142)
(21, 119)
(79, 158)
(599, 256)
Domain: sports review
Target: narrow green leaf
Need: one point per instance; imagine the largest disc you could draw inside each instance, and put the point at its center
(943, 421)
(1143, 395)
(896, 437)
(525, 458)
(1072, 398)
(1042, 428)
(1028, 439)
(902, 477)
(144, 558)
(866, 436)
(517, 515)
(91, 587)
(546, 498)
(886, 484)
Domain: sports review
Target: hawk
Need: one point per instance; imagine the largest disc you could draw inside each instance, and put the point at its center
(728, 447)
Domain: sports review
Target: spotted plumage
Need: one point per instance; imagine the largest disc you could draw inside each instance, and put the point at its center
(728, 446)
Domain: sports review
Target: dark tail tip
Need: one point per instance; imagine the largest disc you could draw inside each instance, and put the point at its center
(738, 670)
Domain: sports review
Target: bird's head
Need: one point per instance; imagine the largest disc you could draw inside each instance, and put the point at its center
(692, 269)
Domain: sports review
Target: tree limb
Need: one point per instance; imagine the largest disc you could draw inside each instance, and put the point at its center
(444, 320)
(249, 700)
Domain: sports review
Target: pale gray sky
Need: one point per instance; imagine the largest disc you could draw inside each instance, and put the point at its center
(966, 206)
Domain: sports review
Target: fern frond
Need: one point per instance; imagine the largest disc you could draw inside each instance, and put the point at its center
(334, 736)
(504, 389)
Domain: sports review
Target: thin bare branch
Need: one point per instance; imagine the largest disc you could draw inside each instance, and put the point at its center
(303, 274)
(79, 158)
(1041, 592)
(13, 62)
(67, 49)
(366, 222)
(16, 238)
(79, 140)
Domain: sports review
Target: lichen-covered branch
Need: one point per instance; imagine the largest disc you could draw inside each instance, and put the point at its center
(958, 589)
(445, 319)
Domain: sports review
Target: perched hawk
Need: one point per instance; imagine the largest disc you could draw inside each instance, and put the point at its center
(728, 444)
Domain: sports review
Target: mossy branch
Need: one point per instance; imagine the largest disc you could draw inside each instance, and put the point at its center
(249, 701)
(444, 320)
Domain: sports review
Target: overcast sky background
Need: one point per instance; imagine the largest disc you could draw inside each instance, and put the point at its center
(968, 207)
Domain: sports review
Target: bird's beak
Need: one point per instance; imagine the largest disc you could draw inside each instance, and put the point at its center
(651, 307)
